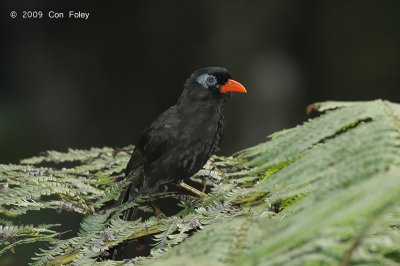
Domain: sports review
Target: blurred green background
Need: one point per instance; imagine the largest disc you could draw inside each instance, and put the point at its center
(100, 82)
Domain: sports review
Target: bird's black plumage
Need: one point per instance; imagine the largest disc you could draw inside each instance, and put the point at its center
(180, 141)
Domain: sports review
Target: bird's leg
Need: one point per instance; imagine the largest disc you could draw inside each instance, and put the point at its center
(192, 190)
(204, 182)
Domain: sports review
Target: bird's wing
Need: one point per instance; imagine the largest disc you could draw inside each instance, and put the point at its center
(155, 140)
(137, 159)
(161, 135)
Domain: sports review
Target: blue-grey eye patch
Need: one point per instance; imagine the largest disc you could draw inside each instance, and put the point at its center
(207, 80)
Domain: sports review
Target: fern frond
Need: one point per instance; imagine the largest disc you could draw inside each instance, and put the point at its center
(323, 193)
(11, 236)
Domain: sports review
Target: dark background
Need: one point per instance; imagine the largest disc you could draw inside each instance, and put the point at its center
(100, 82)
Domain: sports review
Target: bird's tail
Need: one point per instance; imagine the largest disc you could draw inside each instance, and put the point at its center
(129, 195)
(134, 189)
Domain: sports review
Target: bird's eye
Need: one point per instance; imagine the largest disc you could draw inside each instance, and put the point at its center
(207, 80)
(211, 80)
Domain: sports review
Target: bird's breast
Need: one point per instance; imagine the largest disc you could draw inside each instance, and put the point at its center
(192, 135)
(202, 141)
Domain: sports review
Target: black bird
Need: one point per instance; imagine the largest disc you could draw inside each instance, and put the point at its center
(181, 140)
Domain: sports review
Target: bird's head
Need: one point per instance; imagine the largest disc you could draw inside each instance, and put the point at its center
(210, 83)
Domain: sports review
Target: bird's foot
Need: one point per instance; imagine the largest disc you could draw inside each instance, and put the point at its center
(192, 190)
(158, 212)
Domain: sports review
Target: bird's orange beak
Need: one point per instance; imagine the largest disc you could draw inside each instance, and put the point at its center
(232, 86)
